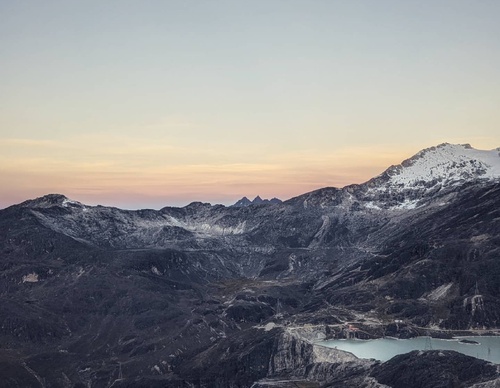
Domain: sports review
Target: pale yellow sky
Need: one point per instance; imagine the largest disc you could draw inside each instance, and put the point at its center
(148, 104)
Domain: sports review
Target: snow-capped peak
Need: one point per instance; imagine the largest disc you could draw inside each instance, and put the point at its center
(445, 164)
(431, 173)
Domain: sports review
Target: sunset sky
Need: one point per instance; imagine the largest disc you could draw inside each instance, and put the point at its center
(152, 103)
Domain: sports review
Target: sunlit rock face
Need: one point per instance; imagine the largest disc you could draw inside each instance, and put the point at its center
(233, 296)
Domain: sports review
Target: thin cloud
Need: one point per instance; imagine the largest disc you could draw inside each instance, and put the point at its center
(36, 143)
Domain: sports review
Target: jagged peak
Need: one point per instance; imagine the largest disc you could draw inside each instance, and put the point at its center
(257, 200)
(243, 202)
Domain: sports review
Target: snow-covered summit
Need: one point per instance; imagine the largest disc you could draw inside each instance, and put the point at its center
(428, 175)
(445, 164)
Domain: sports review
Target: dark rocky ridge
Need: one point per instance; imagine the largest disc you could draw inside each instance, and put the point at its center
(432, 368)
(227, 296)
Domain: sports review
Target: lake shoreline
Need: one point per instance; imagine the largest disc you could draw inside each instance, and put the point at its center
(482, 347)
(400, 330)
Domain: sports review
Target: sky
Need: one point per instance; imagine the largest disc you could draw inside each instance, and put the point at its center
(144, 104)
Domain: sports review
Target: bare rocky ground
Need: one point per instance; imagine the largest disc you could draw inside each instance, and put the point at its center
(214, 296)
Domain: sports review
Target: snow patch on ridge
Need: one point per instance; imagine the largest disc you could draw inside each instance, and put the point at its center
(31, 278)
(371, 205)
(68, 202)
(207, 228)
(407, 204)
(440, 292)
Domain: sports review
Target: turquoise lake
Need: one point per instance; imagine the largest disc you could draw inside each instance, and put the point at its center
(384, 349)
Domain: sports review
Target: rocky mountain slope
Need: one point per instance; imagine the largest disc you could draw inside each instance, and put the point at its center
(233, 296)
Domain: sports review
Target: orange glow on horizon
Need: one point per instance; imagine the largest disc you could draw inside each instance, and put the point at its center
(121, 185)
(134, 173)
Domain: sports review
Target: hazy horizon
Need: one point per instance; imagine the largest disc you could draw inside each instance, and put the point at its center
(158, 203)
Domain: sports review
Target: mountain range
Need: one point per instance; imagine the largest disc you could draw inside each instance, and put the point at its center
(236, 296)
(256, 201)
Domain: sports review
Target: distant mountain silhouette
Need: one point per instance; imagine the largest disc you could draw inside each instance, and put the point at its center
(243, 202)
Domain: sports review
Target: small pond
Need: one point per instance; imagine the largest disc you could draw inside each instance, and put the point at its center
(383, 349)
